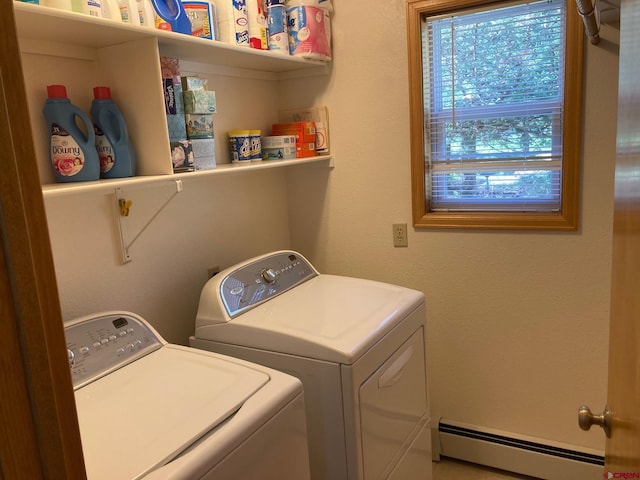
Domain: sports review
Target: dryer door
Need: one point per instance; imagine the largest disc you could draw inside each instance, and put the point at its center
(393, 401)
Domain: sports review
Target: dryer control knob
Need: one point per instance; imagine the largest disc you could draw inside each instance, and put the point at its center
(269, 275)
(72, 357)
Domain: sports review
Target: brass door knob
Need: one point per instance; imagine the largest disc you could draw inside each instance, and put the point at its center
(586, 418)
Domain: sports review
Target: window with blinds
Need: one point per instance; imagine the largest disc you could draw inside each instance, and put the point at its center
(493, 84)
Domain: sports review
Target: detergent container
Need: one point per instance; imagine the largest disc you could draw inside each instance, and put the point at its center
(111, 137)
(73, 154)
(202, 15)
(171, 16)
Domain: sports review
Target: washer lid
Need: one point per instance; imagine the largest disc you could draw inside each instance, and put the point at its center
(141, 416)
(328, 317)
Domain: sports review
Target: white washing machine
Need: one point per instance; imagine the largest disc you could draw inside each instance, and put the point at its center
(357, 345)
(149, 409)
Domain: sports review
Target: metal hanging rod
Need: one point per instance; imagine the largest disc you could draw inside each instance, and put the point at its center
(587, 11)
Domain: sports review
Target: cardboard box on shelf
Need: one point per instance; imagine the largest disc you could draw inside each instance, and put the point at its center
(199, 126)
(182, 156)
(318, 115)
(305, 133)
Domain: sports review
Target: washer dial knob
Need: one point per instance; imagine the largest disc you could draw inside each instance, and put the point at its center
(269, 275)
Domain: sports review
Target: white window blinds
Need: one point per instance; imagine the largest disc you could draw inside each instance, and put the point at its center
(493, 94)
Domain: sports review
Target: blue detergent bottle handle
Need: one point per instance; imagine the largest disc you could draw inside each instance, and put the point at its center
(172, 12)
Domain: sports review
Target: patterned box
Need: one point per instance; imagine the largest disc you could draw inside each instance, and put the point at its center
(182, 156)
(199, 101)
(173, 101)
(204, 153)
(199, 126)
(193, 83)
(177, 127)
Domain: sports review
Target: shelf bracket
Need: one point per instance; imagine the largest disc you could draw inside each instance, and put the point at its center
(124, 206)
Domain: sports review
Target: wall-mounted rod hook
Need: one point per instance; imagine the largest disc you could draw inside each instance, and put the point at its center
(125, 206)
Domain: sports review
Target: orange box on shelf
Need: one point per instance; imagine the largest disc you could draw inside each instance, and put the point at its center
(305, 133)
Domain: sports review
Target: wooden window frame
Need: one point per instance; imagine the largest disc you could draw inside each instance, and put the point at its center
(567, 217)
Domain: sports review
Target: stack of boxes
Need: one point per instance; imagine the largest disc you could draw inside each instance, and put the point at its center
(305, 133)
(189, 108)
(199, 107)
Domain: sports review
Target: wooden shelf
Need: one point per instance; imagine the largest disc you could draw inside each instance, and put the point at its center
(57, 189)
(77, 50)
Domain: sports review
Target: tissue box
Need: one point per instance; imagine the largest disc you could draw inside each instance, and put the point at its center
(177, 127)
(193, 83)
(173, 102)
(170, 67)
(199, 126)
(205, 163)
(203, 147)
(199, 101)
(204, 154)
(182, 156)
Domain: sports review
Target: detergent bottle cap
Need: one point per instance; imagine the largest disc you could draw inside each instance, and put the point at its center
(56, 91)
(102, 93)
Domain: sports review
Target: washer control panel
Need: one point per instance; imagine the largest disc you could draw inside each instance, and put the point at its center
(263, 279)
(99, 345)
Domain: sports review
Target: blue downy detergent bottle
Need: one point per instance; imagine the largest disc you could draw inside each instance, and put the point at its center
(174, 16)
(73, 154)
(115, 152)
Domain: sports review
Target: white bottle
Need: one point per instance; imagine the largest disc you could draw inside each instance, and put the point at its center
(61, 4)
(146, 13)
(92, 7)
(129, 12)
(111, 10)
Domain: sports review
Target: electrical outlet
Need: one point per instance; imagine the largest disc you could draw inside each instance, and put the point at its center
(400, 235)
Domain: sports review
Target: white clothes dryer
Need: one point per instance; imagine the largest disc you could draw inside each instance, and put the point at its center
(357, 345)
(153, 410)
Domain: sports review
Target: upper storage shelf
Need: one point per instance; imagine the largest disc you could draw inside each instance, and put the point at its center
(80, 51)
(43, 23)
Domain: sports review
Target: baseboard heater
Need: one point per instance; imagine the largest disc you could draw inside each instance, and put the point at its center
(516, 453)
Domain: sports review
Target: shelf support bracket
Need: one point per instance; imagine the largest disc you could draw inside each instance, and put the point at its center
(124, 209)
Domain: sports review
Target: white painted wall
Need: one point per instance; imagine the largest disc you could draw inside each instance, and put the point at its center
(517, 321)
(213, 222)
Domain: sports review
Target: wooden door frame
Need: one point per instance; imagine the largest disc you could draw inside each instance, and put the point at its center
(39, 437)
(622, 451)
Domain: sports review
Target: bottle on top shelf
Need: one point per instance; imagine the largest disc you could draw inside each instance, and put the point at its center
(146, 13)
(170, 15)
(73, 154)
(129, 12)
(112, 141)
(111, 10)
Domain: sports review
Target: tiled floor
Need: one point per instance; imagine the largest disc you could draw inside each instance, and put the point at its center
(450, 469)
